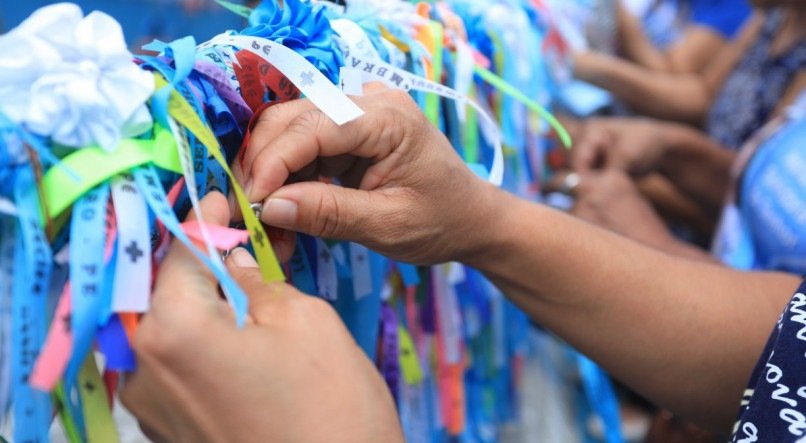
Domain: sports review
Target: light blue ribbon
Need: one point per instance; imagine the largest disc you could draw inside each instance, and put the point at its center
(32, 266)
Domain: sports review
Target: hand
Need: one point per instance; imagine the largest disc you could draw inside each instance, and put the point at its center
(610, 199)
(406, 193)
(633, 145)
(292, 374)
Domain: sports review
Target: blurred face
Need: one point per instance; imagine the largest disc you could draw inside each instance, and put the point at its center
(769, 4)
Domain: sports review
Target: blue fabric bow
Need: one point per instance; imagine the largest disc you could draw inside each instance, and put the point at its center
(301, 27)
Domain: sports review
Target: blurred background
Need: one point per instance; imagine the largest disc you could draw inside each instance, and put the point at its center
(142, 20)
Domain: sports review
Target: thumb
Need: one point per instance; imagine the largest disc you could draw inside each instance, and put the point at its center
(180, 269)
(330, 211)
(264, 298)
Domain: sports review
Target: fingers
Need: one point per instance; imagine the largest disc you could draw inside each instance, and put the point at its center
(275, 119)
(264, 298)
(373, 88)
(181, 272)
(567, 183)
(330, 211)
(590, 150)
(310, 134)
(272, 122)
(283, 242)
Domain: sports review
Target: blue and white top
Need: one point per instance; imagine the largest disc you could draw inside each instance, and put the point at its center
(763, 224)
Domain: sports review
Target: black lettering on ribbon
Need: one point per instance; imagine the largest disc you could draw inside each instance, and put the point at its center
(396, 79)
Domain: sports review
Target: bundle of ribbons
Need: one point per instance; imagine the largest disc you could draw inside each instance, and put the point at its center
(103, 153)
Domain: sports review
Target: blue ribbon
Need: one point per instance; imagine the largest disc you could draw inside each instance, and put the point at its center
(360, 316)
(301, 27)
(409, 274)
(7, 245)
(183, 52)
(301, 272)
(32, 266)
(148, 182)
(601, 397)
(87, 275)
(114, 344)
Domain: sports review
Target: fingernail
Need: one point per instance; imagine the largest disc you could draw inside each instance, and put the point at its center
(247, 187)
(242, 258)
(280, 212)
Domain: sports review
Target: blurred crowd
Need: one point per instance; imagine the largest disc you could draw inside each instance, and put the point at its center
(700, 152)
(144, 20)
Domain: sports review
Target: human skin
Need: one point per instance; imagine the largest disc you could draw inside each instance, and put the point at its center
(687, 96)
(664, 325)
(292, 374)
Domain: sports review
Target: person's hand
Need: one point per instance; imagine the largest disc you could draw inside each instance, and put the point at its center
(633, 145)
(405, 192)
(610, 199)
(292, 374)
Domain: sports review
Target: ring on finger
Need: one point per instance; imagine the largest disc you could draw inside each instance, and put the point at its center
(257, 208)
(570, 184)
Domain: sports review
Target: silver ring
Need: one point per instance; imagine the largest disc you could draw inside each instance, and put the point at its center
(257, 208)
(570, 183)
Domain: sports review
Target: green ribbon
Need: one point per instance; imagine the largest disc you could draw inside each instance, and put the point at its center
(513, 92)
(94, 400)
(243, 11)
(94, 165)
(69, 426)
(432, 100)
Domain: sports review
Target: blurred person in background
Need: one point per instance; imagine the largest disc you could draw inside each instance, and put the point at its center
(685, 174)
(685, 333)
(679, 35)
(761, 222)
(749, 83)
(769, 46)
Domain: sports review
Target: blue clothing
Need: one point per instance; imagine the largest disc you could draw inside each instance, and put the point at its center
(723, 16)
(773, 408)
(765, 226)
(666, 20)
(754, 87)
(773, 201)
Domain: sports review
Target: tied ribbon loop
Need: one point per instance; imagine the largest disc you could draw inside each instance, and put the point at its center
(183, 113)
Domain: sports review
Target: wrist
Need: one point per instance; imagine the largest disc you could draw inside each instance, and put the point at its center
(670, 136)
(483, 240)
(582, 65)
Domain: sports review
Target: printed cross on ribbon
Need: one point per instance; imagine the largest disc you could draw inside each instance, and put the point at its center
(129, 188)
(133, 251)
(307, 78)
(258, 237)
(67, 322)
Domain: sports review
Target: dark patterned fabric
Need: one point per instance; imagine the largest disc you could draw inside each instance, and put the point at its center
(773, 407)
(752, 91)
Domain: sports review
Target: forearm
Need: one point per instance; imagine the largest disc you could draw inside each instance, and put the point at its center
(671, 245)
(664, 325)
(694, 50)
(635, 45)
(670, 96)
(698, 166)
